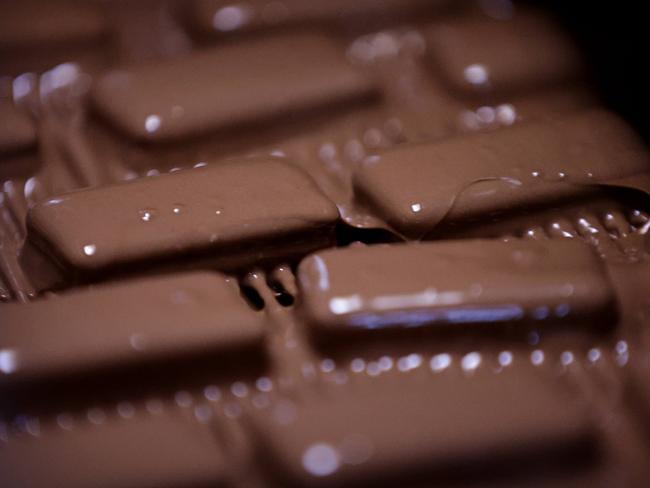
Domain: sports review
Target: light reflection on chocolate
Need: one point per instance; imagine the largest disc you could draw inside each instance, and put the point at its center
(454, 282)
(145, 145)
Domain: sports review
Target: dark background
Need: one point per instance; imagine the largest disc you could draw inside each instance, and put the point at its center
(614, 38)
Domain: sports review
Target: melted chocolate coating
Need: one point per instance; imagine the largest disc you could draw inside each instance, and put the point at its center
(158, 450)
(127, 325)
(415, 187)
(482, 55)
(227, 86)
(454, 282)
(456, 429)
(305, 149)
(219, 16)
(211, 212)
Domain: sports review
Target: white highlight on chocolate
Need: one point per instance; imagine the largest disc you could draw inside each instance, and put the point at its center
(440, 362)
(22, 85)
(212, 393)
(30, 186)
(566, 358)
(428, 297)
(565, 233)
(8, 361)
(562, 310)
(183, 399)
(90, 249)
(230, 18)
(342, 305)
(357, 365)
(321, 459)
(264, 384)
(506, 114)
(385, 363)
(203, 413)
(137, 342)
(323, 275)
(540, 313)
(486, 114)
(407, 363)
(505, 358)
(152, 123)
(622, 358)
(476, 74)
(593, 355)
(471, 361)
(327, 365)
(537, 357)
(239, 389)
(452, 315)
(327, 151)
(60, 76)
(373, 368)
(644, 230)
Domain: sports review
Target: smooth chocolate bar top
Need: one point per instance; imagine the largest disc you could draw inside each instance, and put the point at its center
(337, 243)
(415, 187)
(210, 208)
(146, 451)
(128, 324)
(227, 86)
(449, 424)
(482, 55)
(453, 282)
(219, 17)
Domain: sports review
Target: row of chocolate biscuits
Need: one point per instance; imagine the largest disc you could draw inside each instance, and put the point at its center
(311, 243)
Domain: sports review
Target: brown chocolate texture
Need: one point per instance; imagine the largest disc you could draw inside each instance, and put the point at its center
(255, 80)
(416, 187)
(454, 282)
(324, 243)
(136, 322)
(211, 212)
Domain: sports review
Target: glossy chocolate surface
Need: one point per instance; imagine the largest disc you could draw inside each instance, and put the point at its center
(414, 188)
(227, 86)
(210, 211)
(129, 324)
(118, 453)
(363, 434)
(454, 282)
(483, 55)
(316, 243)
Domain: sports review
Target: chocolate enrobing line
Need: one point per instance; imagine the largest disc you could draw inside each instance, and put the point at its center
(159, 449)
(478, 57)
(210, 18)
(205, 212)
(589, 441)
(414, 187)
(447, 285)
(262, 82)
